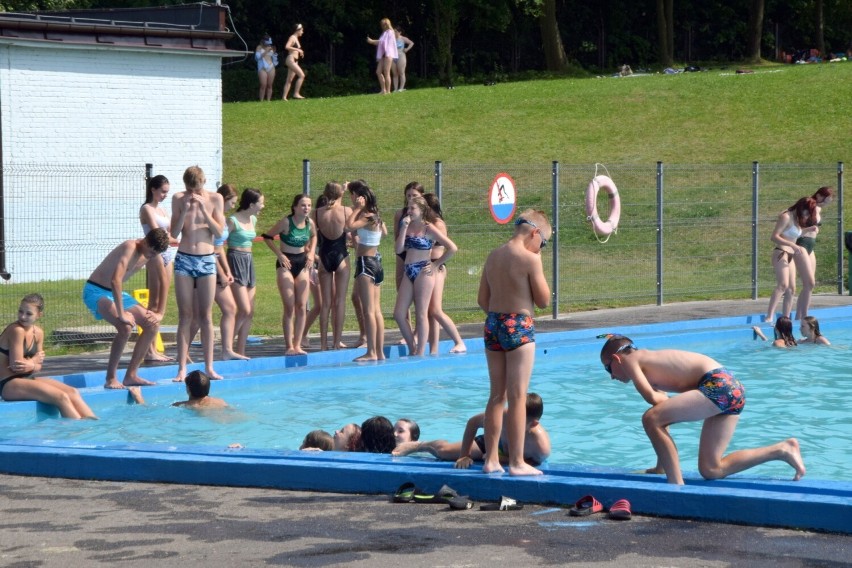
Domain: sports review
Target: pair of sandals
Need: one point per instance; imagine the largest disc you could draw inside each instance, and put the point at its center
(620, 510)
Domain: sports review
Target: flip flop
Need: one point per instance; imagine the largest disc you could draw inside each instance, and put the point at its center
(444, 495)
(460, 503)
(505, 504)
(405, 493)
(586, 506)
(620, 510)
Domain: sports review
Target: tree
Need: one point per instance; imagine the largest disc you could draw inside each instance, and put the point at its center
(545, 12)
(820, 27)
(754, 33)
(665, 32)
(445, 14)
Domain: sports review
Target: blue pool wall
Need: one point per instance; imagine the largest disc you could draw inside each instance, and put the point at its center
(821, 505)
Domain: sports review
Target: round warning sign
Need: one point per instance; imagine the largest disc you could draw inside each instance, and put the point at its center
(502, 198)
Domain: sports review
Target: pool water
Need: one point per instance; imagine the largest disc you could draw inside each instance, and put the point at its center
(592, 420)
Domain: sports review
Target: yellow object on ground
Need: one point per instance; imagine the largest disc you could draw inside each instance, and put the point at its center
(141, 296)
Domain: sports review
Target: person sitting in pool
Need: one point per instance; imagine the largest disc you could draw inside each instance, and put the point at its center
(472, 447)
(106, 300)
(810, 330)
(198, 389)
(347, 438)
(783, 333)
(406, 430)
(317, 441)
(377, 436)
(21, 356)
(705, 391)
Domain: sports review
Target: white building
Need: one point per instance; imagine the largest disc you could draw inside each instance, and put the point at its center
(87, 98)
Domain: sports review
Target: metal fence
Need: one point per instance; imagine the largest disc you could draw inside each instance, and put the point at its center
(687, 231)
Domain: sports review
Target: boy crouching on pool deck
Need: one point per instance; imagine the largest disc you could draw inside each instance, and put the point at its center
(512, 284)
(707, 392)
(198, 389)
(104, 297)
(472, 447)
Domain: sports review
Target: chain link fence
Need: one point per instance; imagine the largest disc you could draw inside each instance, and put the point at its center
(687, 232)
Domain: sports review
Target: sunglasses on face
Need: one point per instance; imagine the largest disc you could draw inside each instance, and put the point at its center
(522, 221)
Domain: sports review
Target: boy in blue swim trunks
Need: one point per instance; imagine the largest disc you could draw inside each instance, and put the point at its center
(105, 298)
(512, 285)
(706, 391)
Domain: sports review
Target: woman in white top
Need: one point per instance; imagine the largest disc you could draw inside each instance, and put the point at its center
(294, 53)
(788, 228)
(153, 216)
(263, 55)
(369, 274)
(386, 52)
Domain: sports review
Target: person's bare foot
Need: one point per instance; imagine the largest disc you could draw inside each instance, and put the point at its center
(136, 381)
(295, 351)
(135, 394)
(298, 97)
(113, 384)
(233, 355)
(158, 358)
(364, 358)
(792, 454)
(767, 319)
(658, 470)
(525, 469)
(214, 376)
(458, 349)
(179, 378)
(492, 467)
(341, 345)
(362, 343)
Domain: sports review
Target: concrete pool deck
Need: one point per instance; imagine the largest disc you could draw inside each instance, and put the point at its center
(302, 528)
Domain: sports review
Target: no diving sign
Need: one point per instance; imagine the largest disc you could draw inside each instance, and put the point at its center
(502, 198)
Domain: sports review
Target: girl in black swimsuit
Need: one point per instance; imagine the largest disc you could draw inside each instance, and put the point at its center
(21, 355)
(334, 263)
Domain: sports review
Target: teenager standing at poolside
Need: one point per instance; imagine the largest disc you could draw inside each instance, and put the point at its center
(369, 274)
(334, 263)
(295, 258)
(437, 317)
(386, 52)
(198, 216)
(241, 233)
(21, 356)
(417, 235)
(512, 284)
(806, 262)
(152, 216)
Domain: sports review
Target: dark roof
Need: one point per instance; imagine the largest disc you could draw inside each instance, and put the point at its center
(192, 27)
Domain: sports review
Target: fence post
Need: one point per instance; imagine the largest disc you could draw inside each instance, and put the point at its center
(554, 237)
(149, 171)
(439, 177)
(755, 186)
(306, 177)
(840, 233)
(659, 233)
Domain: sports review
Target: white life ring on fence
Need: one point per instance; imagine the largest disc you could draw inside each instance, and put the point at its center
(603, 228)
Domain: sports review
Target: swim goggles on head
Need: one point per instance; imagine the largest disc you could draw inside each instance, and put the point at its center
(626, 346)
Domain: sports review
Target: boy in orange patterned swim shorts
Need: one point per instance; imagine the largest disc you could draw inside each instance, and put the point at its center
(512, 284)
(706, 391)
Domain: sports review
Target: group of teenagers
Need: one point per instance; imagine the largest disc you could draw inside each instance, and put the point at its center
(704, 390)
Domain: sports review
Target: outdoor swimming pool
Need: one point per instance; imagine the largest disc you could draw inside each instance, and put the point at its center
(592, 420)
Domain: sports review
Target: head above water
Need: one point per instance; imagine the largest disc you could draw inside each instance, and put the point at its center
(377, 435)
(197, 384)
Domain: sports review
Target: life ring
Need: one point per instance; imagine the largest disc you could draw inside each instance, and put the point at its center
(609, 226)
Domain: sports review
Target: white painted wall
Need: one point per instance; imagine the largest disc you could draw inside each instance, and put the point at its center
(86, 108)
